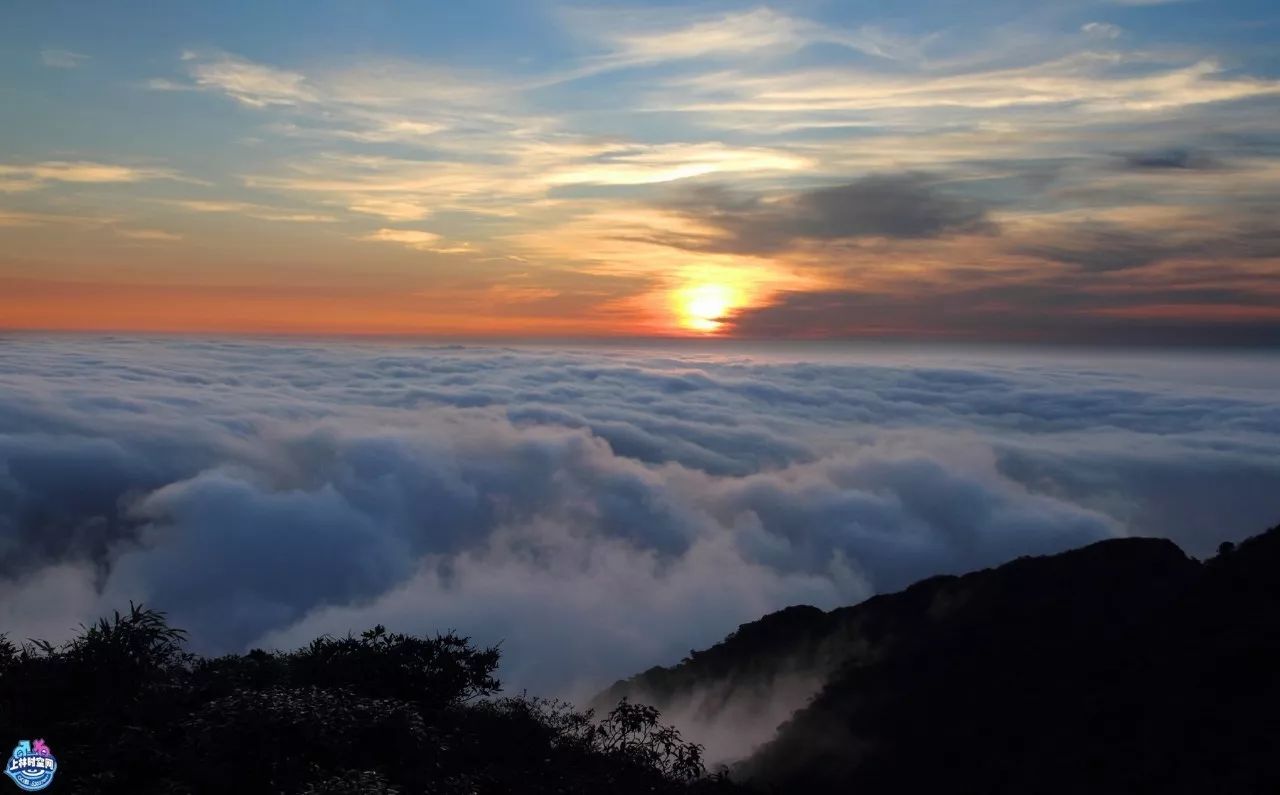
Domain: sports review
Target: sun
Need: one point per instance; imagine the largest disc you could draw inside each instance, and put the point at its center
(703, 306)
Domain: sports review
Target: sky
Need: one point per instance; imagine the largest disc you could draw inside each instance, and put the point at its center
(1094, 172)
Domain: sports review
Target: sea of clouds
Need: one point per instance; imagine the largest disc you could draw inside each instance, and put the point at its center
(597, 510)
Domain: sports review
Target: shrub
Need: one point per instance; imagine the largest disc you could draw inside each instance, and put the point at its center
(128, 710)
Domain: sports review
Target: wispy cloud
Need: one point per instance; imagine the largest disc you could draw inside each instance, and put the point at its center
(417, 239)
(410, 189)
(647, 164)
(1089, 81)
(404, 209)
(377, 101)
(35, 175)
(645, 38)
(734, 34)
(62, 59)
(19, 218)
(1101, 30)
(250, 210)
(149, 235)
(253, 84)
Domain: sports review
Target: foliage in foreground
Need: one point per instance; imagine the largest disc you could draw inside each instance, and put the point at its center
(126, 709)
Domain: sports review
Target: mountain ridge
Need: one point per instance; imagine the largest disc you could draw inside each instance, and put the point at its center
(1069, 647)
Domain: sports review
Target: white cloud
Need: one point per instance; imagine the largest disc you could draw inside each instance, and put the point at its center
(642, 165)
(599, 510)
(251, 210)
(149, 235)
(250, 83)
(21, 177)
(405, 209)
(368, 102)
(20, 218)
(739, 33)
(417, 239)
(640, 39)
(1101, 30)
(62, 59)
(1091, 82)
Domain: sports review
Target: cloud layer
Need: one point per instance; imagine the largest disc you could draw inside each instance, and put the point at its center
(598, 511)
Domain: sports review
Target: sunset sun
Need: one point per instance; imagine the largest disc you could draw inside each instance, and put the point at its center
(703, 306)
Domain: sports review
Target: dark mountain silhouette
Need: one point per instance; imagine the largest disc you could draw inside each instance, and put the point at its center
(1123, 667)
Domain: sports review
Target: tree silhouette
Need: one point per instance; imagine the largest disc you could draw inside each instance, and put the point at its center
(127, 709)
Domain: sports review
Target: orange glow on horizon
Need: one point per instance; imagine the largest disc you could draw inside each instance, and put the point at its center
(89, 307)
